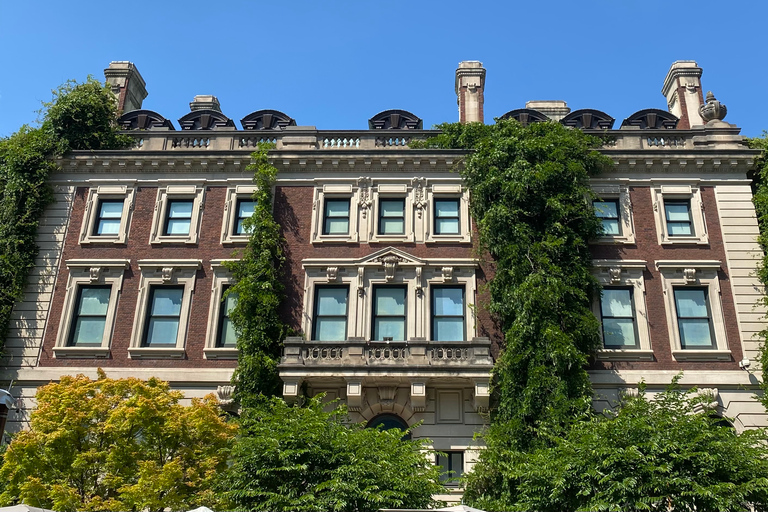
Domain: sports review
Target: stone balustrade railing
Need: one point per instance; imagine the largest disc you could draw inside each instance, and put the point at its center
(413, 353)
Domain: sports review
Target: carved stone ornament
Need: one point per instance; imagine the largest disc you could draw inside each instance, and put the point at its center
(360, 281)
(447, 274)
(712, 109)
(355, 396)
(689, 274)
(333, 274)
(710, 399)
(94, 274)
(365, 195)
(390, 262)
(225, 395)
(419, 197)
(418, 396)
(419, 288)
(387, 396)
(167, 274)
(615, 274)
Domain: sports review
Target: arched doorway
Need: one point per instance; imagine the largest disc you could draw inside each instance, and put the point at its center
(389, 421)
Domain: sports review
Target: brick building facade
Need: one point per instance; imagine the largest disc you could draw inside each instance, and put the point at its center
(382, 279)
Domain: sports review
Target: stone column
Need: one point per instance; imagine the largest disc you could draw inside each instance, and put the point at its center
(470, 84)
(127, 84)
(682, 88)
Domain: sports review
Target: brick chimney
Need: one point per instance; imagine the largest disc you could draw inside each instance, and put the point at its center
(205, 102)
(682, 88)
(470, 84)
(127, 84)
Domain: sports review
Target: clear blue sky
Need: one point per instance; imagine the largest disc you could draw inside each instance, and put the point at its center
(335, 64)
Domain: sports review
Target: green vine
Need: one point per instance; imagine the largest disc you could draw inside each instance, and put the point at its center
(259, 291)
(529, 192)
(80, 117)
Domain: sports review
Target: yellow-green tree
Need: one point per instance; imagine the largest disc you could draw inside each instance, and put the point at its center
(116, 444)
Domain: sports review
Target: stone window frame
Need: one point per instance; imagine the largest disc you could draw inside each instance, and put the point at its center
(677, 192)
(449, 191)
(698, 274)
(85, 272)
(229, 219)
(168, 193)
(221, 279)
(158, 273)
(327, 191)
(107, 193)
(617, 192)
(392, 191)
(417, 275)
(625, 274)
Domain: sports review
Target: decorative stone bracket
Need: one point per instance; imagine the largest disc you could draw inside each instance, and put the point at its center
(481, 397)
(418, 396)
(355, 396)
(291, 390)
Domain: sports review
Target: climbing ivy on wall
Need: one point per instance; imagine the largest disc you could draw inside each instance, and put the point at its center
(80, 117)
(259, 292)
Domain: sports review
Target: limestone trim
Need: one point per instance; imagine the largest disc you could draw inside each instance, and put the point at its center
(349, 190)
(167, 193)
(700, 274)
(625, 274)
(98, 194)
(158, 273)
(221, 278)
(450, 191)
(107, 272)
(662, 193)
(390, 266)
(618, 192)
(229, 220)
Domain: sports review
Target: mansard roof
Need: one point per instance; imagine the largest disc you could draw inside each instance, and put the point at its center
(588, 119)
(205, 119)
(143, 120)
(525, 116)
(267, 120)
(652, 118)
(395, 120)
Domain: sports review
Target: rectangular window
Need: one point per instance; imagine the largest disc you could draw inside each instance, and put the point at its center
(448, 313)
(618, 317)
(336, 217)
(330, 313)
(90, 316)
(446, 216)
(452, 464)
(164, 313)
(679, 221)
(179, 217)
(693, 318)
(392, 216)
(109, 215)
(608, 213)
(226, 337)
(389, 313)
(245, 209)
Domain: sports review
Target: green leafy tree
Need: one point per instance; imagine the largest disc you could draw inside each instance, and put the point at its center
(529, 193)
(259, 291)
(116, 445)
(665, 453)
(302, 458)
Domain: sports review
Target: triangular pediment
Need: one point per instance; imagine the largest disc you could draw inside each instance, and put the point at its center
(390, 254)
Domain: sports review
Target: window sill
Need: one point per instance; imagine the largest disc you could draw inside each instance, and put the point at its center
(220, 353)
(236, 239)
(174, 240)
(702, 355)
(617, 354)
(80, 352)
(333, 239)
(456, 239)
(689, 240)
(381, 239)
(103, 240)
(615, 240)
(156, 352)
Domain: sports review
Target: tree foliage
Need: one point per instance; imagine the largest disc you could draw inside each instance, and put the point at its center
(117, 445)
(664, 453)
(259, 291)
(529, 192)
(81, 116)
(302, 458)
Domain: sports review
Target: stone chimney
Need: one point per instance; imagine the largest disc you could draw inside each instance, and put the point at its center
(205, 102)
(553, 109)
(470, 84)
(127, 84)
(682, 88)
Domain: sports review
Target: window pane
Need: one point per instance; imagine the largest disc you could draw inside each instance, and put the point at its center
(94, 301)
(619, 332)
(448, 301)
(89, 331)
(180, 209)
(111, 210)
(695, 333)
(606, 209)
(336, 226)
(392, 226)
(332, 301)
(108, 227)
(447, 226)
(616, 302)
(449, 329)
(392, 207)
(245, 209)
(679, 228)
(230, 302)
(331, 329)
(166, 302)
(611, 227)
(447, 208)
(228, 336)
(390, 328)
(162, 331)
(178, 227)
(457, 463)
(678, 211)
(691, 303)
(337, 208)
(390, 301)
